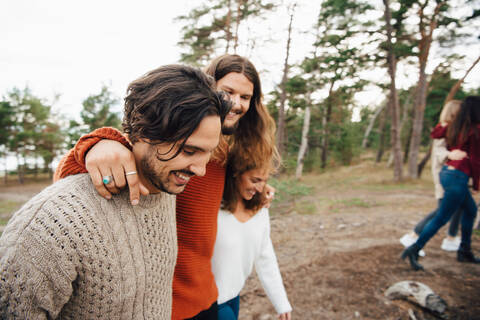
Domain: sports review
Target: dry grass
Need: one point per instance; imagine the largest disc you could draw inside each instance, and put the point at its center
(346, 188)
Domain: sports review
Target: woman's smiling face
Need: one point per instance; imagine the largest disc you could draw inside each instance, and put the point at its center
(251, 182)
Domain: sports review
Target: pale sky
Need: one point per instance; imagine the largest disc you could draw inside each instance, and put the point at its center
(72, 48)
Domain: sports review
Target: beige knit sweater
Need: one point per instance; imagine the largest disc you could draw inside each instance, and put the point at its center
(70, 254)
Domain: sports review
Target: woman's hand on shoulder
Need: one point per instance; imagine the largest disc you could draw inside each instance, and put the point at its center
(270, 193)
(285, 316)
(110, 158)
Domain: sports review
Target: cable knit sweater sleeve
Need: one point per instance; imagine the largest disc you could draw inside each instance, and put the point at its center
(74, 161)
(33, 282)
(36, 292)
(268, 272)
(439, 155)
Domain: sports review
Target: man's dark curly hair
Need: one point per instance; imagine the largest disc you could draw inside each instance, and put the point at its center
(167, 104)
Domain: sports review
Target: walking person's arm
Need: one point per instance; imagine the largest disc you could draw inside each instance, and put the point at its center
(35, 283)
(268, 272)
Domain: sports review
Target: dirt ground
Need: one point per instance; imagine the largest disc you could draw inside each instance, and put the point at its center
(338, 249)
(338, 260)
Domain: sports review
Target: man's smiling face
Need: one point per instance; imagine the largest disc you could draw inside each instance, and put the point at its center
(172, 175)
(240, 91)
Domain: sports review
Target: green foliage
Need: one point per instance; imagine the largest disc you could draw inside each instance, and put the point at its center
(212, 29)
(355, 202)
(305, 207)
(30, 119)
(6, 123)
(32, 130)
(289, 189)
(345, 142)
(97, 111)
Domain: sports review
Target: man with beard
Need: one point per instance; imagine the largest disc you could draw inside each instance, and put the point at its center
(69, 253)
(248, 126)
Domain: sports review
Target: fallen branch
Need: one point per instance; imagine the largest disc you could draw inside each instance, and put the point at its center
(419, 294)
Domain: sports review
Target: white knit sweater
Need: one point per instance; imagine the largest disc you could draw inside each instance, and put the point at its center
(238, 247)
(439, 155)
(70, 254)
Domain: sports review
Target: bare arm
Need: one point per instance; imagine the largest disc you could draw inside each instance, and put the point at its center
(111, 158)
(103, 152)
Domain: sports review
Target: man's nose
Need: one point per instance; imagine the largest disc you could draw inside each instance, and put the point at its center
(199, 165)
(235, 98)
(259, 187)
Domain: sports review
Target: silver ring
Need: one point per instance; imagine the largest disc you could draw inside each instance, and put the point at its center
(107, 179)
(130, 173)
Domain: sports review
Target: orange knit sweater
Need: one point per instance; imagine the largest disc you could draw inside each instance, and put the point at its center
(194, 286)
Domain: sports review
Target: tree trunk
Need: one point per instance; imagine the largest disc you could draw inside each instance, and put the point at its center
(5, 177)
(281, 134)
(394, 106)
(228, 25)
(303, 145)
(425, 159)
(421, 92)
(405, 109)
(20, 171)
(417, 125)
(325, 123)
(420, 294)
(381, 143)
(35, 169)
(370, 126)
(406, 149)
(237, 25)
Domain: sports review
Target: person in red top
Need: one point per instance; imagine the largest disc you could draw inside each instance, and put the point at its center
(248, 126)
(463, 134)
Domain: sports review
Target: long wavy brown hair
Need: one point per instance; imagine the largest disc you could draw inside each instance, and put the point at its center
(255, 133)
(465, 122)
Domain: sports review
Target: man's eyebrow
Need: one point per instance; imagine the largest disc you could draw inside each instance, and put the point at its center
(230, 88)
(189, 146)
(226, 87)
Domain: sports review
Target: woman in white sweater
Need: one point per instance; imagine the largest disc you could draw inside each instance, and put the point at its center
(243, 241)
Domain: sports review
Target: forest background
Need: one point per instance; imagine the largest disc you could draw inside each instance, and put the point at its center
(341, 78)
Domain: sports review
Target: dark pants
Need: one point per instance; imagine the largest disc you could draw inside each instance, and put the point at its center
(229, 310)
(457, 195)
(454, 221)
(209, 314)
